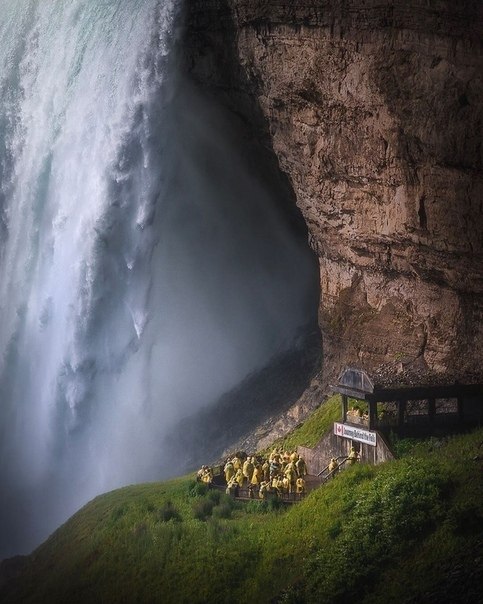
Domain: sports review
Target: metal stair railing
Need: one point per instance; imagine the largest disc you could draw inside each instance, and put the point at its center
(333, 472)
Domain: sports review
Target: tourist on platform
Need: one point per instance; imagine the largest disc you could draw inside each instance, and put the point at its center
(301, 467)
(333, 467)
(353, 456)
(266, 470)
(239, 477)
(300, 485)
(264, 489)
(229, 470)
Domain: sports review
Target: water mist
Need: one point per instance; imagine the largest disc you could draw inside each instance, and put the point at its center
(144, 267)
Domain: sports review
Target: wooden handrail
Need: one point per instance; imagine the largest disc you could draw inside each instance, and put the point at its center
(335, 470)
(344, 457)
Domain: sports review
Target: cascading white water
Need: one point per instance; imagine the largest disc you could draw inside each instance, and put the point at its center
(134, 288)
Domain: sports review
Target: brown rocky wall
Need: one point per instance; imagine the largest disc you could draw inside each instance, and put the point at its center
(374, 111)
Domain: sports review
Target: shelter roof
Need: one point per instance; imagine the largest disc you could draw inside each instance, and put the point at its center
(397, 380)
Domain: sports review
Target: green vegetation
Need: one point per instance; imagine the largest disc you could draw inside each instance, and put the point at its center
(312, 430)
(392, 533)
(361, 406)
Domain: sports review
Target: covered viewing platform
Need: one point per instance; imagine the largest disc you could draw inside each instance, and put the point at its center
(408, 405)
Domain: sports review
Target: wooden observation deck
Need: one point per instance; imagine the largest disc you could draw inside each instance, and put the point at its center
(405, 407)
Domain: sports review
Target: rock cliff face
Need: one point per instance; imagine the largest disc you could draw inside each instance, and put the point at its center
(374, 111)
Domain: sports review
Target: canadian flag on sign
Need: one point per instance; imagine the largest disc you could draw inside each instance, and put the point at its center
(339, 429)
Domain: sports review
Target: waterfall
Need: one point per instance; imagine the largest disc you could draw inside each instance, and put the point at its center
(144, 270)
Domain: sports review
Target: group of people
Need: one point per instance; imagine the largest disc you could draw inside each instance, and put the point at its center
(280, 473)
(205, 474)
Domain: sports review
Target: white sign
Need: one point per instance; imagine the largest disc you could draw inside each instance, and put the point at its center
(359, 434)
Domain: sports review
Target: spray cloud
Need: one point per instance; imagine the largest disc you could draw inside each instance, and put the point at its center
(144, 266)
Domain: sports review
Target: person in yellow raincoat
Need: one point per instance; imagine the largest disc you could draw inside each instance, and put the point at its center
(286, 484)
(239, 477)
(290, 475)
(248, 468)
(300, 485)
(264, 489)
(301, 467)
(208, 475)
(353, 456)
(333, 467)
(232, 487)
(256, 476)
(266, 470)
(229, 470)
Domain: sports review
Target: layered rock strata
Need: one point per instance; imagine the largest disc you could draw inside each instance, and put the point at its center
(374, 110)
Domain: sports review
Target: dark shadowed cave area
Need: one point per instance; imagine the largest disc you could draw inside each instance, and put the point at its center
(265, 393)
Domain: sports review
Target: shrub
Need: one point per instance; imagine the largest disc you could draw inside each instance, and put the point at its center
(197, 489)
(203, 509)
(274, 504)
(140, 529)
(390, 514)
(214, 495)
(222, 511)
(168, 512)
(118, 513)
(256, 507)
(335, 529)
(465, 519)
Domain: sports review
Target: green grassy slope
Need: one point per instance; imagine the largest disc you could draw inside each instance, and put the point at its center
(410, 530)
(314, 427)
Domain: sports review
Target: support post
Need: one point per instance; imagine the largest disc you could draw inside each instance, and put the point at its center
(401, 411)
(344, 408)
(460, 409)
(431, 410)
(372, 414)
